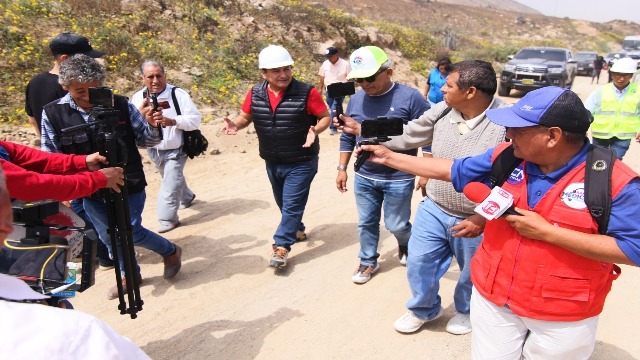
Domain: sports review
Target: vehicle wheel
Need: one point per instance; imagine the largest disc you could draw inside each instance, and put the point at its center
(503, 90)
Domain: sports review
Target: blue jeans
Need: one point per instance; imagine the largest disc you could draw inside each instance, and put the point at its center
(78, 208)
(372, 196)
(291, 184)
(332, 102)
(431, 249)
(619, 145)
(174, 189)
(97, 212)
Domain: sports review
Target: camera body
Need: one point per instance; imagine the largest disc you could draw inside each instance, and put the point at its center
(377, 131)
(44, 241)
(381, 128)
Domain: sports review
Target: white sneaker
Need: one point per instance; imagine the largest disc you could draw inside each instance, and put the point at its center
(363, 273)
(409, 323)
(460, 324)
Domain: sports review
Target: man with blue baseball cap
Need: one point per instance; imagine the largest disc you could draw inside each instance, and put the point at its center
(541, 277)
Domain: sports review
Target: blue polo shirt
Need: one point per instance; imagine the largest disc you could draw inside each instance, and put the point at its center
(624, 208)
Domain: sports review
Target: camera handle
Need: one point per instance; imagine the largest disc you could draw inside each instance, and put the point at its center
(364, 155)
(339, 111)
(156, 107)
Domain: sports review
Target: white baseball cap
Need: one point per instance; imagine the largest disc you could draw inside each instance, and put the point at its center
(366, 61)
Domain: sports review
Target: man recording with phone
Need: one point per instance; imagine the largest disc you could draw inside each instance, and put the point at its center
(378, 186)
(445, 225)
(176, 113)
(78, 75)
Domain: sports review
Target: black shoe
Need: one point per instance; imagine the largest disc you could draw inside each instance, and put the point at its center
(403, 253)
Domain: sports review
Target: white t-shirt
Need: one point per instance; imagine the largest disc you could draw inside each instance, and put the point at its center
(334, 73)
(34, 331)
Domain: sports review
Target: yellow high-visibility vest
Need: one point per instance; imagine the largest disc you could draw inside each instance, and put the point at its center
(617, 118)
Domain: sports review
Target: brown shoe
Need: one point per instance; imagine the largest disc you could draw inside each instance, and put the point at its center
(113, 292)
(172, 263)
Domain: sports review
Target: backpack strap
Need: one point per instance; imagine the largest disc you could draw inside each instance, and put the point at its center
(443, 114)
(503, 166)
(175, 100)
(597, 184)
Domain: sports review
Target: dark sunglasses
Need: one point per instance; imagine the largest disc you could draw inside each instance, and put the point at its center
(371, 78)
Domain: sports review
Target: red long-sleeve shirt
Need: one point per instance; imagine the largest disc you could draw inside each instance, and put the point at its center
(36, 175)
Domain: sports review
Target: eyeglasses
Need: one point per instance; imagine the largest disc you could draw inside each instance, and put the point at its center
(621, 74)
(371, 78)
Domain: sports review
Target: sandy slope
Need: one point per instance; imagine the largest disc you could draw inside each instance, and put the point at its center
(226, 303)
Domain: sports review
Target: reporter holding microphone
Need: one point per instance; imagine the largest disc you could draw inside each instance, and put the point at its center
(540, 278)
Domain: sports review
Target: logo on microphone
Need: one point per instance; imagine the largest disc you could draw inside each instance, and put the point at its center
(490, 207)
(573, 196)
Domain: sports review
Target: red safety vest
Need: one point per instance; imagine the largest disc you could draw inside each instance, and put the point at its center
(536, 279)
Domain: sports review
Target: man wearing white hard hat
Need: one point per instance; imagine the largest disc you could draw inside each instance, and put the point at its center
(616, 109)
(288, 115)
(377, 186)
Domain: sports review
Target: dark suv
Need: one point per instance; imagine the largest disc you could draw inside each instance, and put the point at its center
(536, 67)
(584, 60)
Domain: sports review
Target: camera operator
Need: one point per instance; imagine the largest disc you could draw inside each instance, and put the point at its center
(33, 331)
(36, 175)
(77, 75)
(375, 184)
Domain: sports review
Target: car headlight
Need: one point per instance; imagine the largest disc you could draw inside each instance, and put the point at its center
(555, 70)
(509, 67)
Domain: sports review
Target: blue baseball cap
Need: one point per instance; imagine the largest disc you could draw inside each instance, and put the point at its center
(549, 106)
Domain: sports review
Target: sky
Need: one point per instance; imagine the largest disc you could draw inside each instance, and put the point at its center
(592, 10)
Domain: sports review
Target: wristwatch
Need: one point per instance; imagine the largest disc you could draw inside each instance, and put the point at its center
(342, 167)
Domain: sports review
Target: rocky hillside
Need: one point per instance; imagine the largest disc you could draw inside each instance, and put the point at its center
(210, 47)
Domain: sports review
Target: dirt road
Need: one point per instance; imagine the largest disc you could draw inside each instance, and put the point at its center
(226, 303)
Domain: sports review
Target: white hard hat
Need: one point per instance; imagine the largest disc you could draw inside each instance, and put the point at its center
(625, 66)
(274, 56)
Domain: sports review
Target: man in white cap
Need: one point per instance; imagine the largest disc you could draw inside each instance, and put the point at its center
(377, 186)
(288, 115)
(333, 70)
(616, 109)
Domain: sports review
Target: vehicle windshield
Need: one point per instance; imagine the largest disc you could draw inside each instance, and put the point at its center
(584, 56)
(631, 44)
(613, 54)
(553, 55)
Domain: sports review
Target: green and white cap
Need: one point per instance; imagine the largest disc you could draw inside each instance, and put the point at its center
(366, 61)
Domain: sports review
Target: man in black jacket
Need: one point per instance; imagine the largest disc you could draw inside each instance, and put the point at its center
(77, 75)
(287, 115)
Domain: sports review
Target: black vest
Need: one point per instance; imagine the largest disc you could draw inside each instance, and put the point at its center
(83, 142)
(282, 133)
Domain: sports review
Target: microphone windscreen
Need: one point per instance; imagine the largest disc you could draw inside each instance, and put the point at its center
(476, 191)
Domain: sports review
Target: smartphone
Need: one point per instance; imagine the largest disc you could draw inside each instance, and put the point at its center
(341, 89)
(381, 127)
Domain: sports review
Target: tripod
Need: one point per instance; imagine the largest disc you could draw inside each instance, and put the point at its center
(110, 145)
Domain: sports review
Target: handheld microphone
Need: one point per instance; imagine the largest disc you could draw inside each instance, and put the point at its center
(490, 206)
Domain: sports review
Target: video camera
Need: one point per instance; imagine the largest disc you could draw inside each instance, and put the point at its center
(377, 131)
(42, 250)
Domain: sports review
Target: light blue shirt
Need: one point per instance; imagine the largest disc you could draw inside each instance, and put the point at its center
(594, 101)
